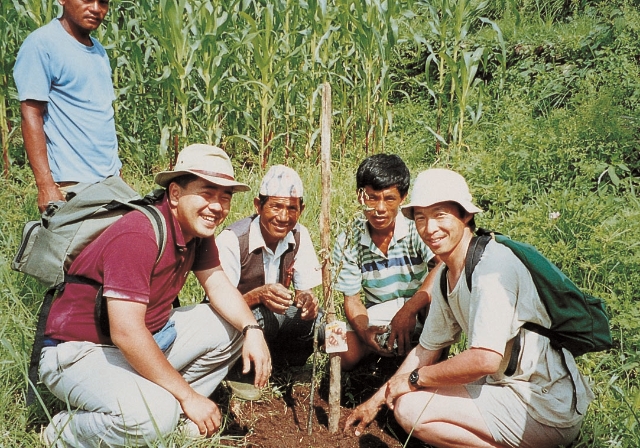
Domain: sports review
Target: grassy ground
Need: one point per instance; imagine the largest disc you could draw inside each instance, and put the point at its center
(592, 240)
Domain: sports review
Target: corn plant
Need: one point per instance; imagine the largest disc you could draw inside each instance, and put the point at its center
(244, 74)
(174, 29)
(373, 31)
(261, 66)
(450, 70)
(214, 55)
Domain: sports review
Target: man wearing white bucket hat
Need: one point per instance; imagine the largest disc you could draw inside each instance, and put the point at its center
(129, 386)
(264, 255)
(471, 399)
(382, 256)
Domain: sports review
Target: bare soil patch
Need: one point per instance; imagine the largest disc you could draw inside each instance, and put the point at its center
(280, 418)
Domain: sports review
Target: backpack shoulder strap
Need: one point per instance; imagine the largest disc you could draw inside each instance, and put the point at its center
(38, 342)
(159, 224)
(443, 283)
(476, 248)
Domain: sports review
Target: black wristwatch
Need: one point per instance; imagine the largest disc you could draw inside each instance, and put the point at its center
(414, 377)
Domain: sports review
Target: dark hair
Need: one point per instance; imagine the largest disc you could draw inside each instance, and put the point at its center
(263, 200)
(184, 180)
(381, 171)
(463, 213)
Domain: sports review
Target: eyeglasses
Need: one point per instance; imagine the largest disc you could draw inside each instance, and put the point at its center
(371, 201)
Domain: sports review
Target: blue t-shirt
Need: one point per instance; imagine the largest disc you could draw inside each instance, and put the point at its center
(75, 82)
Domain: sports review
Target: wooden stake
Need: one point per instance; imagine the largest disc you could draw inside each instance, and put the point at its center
(325, 234)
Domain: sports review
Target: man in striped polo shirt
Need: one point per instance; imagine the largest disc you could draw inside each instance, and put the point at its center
(384, 257)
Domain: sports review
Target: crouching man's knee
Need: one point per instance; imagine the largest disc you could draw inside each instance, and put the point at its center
(408, 413)
(141, 425)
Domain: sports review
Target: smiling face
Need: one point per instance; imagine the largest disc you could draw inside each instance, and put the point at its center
(278, 216)
(443, 228)
(200, 207)
(81, 17)
(382, 207)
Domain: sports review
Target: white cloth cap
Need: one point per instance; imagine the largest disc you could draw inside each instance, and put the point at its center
(281, 181)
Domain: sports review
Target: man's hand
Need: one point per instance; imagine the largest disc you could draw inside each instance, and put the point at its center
(362, 415)
(308, 302)
(254, 350)
(275, 297)
(368, 337)
(396, 386)
(403, 325)
(50, 193)
(203, 412)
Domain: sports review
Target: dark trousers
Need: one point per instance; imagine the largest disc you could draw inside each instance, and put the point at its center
(290, 339)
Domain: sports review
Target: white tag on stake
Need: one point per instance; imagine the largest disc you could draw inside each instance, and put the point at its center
(336, 337)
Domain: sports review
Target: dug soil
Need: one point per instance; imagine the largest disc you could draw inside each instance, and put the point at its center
(280, 418)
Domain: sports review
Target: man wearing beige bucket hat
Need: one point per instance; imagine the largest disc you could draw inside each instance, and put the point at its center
(265, 255)
(470, 400)
(131, 386)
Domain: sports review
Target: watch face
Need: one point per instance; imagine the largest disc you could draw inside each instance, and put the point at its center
(414, 377)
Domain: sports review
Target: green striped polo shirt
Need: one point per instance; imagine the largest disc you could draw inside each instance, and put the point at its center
(359, 265)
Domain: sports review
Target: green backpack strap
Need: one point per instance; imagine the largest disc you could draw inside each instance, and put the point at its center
(159, 225)
(476, 248)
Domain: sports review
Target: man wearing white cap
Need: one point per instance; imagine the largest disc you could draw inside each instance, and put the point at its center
(129, 387)
(470, 400)
(267, 253)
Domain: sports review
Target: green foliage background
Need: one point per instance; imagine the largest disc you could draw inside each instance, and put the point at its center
(550, 125)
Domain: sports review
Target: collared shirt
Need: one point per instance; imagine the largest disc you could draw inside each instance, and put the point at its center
(306, 269)
(360, 265)
(123, 260)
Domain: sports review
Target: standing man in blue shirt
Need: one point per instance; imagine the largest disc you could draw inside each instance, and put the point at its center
(66, 98)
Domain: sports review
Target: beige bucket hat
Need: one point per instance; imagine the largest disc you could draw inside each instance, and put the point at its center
(439, 185)
(206, 161)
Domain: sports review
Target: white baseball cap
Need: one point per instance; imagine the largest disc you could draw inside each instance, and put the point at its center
(439, 185)
(206, 161)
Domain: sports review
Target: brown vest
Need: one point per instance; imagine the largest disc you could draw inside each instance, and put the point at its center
(251, 264)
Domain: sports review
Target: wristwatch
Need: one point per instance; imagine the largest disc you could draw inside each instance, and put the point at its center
(414, 377)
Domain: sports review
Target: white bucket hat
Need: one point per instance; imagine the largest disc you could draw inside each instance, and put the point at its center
(439, 185)
(208, 162)
(281, 181)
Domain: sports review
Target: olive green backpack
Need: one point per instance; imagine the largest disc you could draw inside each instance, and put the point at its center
(50, 244)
